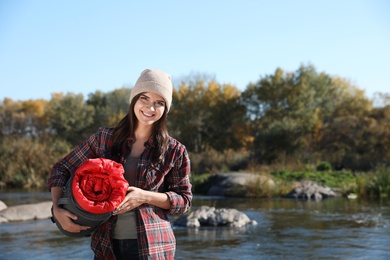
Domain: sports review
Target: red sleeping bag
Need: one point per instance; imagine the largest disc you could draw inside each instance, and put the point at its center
(92, 194)
(99, 185)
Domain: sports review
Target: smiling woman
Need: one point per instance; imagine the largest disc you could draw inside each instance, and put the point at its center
(156, 167)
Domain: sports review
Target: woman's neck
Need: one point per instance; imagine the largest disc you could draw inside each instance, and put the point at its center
(143, 133)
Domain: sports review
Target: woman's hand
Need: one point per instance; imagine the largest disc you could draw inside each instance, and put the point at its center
(134, 198)
(65, 218)
(62, 216)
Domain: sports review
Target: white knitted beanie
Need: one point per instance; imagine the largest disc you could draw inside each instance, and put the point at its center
(155, 81)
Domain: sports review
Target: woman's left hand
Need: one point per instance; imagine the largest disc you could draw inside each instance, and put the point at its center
(134, 198)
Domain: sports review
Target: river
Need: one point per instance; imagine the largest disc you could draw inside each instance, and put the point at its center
(287, 229)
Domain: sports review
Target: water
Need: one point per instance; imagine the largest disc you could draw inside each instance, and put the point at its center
(330, 229)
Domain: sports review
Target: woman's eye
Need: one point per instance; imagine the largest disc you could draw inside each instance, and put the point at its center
(161, 103)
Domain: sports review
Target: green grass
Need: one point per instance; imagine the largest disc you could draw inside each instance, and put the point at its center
(199, 183)
(375, 184)
(333, 179)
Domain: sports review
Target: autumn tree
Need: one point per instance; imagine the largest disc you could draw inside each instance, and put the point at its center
(23, 118)
(225, 121)
(358, 139)
(186, 116)
(208, 115)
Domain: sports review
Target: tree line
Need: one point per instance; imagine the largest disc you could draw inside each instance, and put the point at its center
(303, 116)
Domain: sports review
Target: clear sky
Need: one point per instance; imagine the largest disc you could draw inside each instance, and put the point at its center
(80, 46)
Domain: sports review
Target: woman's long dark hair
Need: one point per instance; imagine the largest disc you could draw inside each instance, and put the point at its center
(126, 127)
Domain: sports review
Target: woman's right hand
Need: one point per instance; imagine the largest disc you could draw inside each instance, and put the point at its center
(65, 218)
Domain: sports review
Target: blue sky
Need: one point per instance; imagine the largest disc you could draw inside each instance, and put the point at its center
(50, 46)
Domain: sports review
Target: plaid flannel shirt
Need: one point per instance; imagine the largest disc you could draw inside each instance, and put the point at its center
(155, 235)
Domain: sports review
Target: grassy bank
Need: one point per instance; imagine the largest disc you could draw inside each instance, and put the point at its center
(374, 184)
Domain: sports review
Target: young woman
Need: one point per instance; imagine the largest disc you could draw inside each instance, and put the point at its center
(156, 167)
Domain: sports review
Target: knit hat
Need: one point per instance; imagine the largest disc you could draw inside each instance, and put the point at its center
(155, 81)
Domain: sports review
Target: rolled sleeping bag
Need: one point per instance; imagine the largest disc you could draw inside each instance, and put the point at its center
(93, 193)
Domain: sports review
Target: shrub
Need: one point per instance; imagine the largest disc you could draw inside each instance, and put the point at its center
(212, 161)
(26, 162)
(324, 167)
(374, 184)
(259, 187)
(199, 183)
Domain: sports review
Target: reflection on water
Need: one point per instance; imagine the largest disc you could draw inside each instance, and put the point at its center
(330, 229)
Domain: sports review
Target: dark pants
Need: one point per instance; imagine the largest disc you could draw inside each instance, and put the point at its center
(126, 249)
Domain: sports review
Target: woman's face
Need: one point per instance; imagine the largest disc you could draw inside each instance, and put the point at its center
(149, 108)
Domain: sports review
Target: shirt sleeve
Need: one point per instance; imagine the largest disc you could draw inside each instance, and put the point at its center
(179, 188)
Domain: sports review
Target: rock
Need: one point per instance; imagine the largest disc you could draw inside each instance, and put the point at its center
(352, 196)
(2, 205)
(192, 222)
(234, 183)
(310, 190)
(210, 216)
(26, 212)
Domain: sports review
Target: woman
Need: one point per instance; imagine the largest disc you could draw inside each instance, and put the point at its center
(156, 166)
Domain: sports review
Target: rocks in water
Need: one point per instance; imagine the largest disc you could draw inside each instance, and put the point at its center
(2, 205)
(26, 212)
(310, 190)
(210, 216)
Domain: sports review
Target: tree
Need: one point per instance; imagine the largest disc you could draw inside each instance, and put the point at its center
(288, 111)
(12, 118)
(284, 110)
(354, 143)
(69, 116)
(350, 135)
(24, 118)
(225, 127)
(348, 99)
(208, 116)
(34, 111)
(186, 116)
(109, 107)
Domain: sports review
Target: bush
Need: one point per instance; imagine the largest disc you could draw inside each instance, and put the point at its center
(199, 183)
(27, 162)
(212, 161)
(324, 167)
(260, 187)
(374, 184)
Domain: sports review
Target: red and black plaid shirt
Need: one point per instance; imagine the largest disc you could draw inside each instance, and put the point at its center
(155, 236)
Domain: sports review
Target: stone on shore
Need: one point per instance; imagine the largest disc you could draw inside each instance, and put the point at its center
(235, 183)
(2, 205)
(310, 190)
(210, 216)
(25, 212)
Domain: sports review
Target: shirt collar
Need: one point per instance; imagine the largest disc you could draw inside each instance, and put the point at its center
(149, 143)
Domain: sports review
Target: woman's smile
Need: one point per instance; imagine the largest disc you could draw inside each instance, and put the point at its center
(147, 114)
